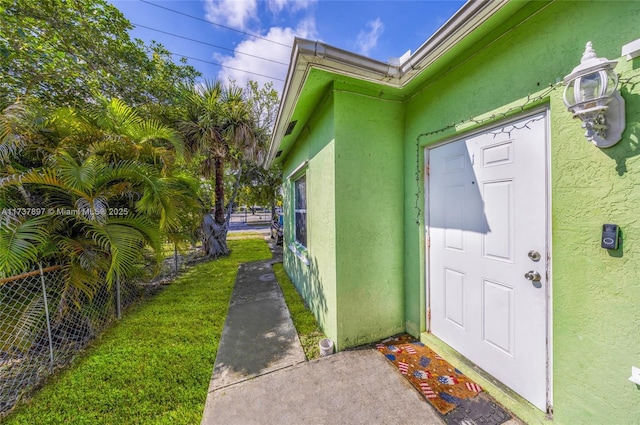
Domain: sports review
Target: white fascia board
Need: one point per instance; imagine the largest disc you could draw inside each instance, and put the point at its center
(469, 17)
(285, 105)
(294, 82)
(307, 54)
(329, 57)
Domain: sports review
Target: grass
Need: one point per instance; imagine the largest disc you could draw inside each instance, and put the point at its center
(168, 248)
(305, 322)
(154, 366)
(243, 235)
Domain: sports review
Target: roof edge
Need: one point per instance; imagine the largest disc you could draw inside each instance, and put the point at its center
(307, 54)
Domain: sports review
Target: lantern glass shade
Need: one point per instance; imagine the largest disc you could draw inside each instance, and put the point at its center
(596, 87)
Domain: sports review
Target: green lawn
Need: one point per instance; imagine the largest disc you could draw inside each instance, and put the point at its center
(154, 366)
(243, 235)
(305, 322)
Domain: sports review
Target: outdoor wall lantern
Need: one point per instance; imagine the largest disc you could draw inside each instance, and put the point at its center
(591, 95)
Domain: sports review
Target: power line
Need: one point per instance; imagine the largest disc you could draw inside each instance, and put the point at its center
(226, 66)
(209, 44)
(214, 23)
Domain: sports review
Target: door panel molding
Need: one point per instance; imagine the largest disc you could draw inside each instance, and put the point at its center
(479, 232)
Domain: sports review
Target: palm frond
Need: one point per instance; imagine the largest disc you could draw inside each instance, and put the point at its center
(82, 278)
(24, 331)
(79, 176)
(20, 127)
(168, 200)
(21, 242)
(150, 131)
(115, 116)
(44, 177)
(123, 240)
(71, 132)
(10, 142)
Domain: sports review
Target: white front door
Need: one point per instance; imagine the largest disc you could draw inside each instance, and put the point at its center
(487, 227)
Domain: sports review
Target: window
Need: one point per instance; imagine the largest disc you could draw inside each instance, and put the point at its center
(300, 205)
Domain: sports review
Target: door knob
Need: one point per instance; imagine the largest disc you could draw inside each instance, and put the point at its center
(532, 276)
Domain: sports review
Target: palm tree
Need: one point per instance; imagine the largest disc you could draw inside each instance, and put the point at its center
(99, 186)
(81, 214)
(216, 122)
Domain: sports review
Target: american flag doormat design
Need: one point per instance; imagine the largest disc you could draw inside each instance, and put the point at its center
(444, 386)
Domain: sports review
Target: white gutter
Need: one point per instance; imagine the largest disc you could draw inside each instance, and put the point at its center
(470, 16)
(307, 54)
(345, 60)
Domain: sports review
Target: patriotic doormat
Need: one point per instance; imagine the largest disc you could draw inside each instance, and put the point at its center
(444, 386)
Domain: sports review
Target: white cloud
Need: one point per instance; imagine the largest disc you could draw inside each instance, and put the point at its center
(368, 37)
(263, 48)
(277, 6)
(234, 13)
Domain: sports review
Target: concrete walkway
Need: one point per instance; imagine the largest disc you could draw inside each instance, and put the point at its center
(258, 335)
(261, 375)
(351, 387)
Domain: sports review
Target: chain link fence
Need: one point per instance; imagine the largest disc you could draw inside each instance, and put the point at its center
(44, 322)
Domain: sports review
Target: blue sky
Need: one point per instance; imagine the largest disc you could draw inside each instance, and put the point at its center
(256, 35)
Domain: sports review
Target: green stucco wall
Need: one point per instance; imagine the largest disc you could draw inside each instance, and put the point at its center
(595, 293)
(316, 281)
(365, 278)
(369, 216)
(354, 279)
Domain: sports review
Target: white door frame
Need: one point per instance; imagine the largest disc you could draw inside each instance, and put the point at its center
(547, 183)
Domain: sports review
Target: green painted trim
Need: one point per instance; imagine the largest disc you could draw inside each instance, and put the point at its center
(518, 108)
(517, 405)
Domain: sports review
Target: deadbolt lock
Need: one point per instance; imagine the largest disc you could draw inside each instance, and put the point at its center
(534, 255)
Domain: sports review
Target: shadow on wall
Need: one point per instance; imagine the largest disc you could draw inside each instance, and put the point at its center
(309, 284)
(617, 253)
(629, 146)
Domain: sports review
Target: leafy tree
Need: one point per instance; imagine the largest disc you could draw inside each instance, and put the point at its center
(263, 102)
(62, 52)
(264, 185)
(261, 187)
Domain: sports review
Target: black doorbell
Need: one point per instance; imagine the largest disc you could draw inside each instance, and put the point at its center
(610, 236)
